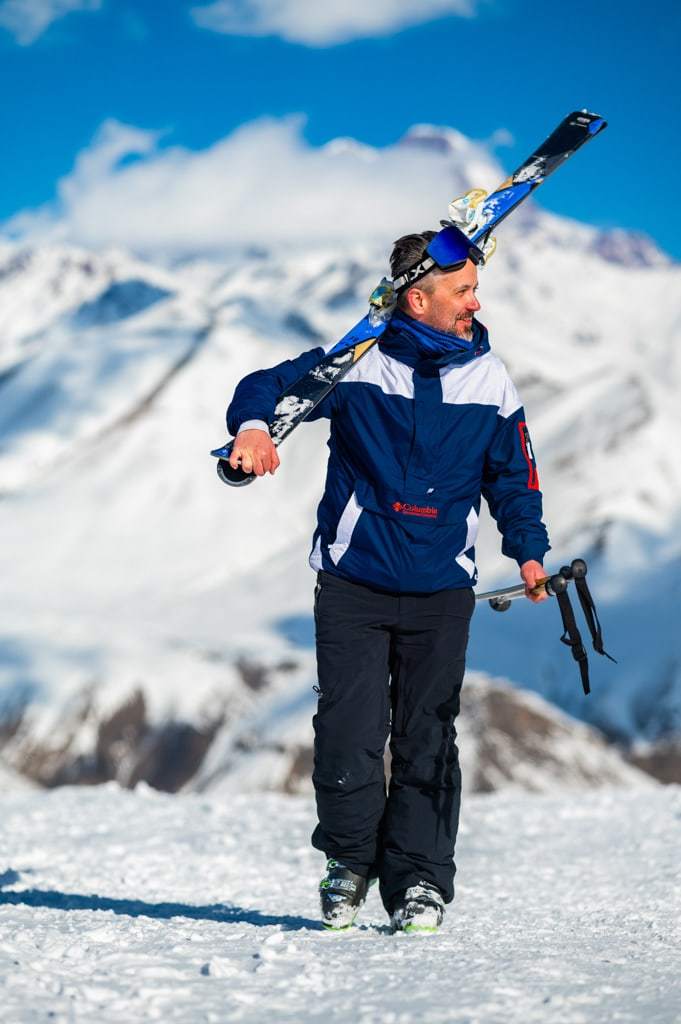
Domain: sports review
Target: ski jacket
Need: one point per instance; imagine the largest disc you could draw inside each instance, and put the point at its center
(417, 437)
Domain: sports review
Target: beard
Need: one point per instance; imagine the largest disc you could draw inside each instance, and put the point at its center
(462, 328)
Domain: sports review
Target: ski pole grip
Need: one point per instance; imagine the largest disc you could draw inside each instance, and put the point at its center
(234, 477)
(541, 585)
(578, 567)
(556, 584)
(576, 570)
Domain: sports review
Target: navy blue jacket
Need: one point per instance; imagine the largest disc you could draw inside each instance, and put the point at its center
(416, 439)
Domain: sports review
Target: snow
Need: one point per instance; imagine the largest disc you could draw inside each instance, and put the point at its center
(135, 906)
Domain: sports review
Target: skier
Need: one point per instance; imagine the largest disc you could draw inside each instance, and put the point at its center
(422, 427)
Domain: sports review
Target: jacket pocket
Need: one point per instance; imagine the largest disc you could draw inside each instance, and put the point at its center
(413, 507)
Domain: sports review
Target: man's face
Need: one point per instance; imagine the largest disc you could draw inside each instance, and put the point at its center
(451, 303)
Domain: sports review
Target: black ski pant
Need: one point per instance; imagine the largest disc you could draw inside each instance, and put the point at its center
(389, 665)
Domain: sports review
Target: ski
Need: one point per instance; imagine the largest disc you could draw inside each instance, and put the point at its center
(570, 135)
(483, 214)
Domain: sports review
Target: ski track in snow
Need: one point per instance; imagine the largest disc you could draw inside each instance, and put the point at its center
(126, 907)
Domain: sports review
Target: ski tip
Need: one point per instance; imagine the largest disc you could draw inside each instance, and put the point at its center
(597, 126)
(594, 123)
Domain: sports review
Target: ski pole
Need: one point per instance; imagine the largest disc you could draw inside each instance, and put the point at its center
(500, 600)
(557, 586)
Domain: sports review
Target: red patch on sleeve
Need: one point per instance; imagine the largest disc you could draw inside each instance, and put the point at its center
(526, 445)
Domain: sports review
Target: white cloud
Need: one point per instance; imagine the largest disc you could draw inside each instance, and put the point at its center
(28, 19)
(323, 22)
(262, 184)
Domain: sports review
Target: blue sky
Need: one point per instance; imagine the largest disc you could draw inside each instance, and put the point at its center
(507, 65)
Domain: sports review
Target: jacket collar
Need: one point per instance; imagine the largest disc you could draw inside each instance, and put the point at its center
(416, 344)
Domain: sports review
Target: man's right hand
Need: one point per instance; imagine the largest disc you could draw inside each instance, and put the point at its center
(254, 451)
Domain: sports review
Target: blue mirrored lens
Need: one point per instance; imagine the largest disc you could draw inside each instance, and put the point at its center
(451, 247)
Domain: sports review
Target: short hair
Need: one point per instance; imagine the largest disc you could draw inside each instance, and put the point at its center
(407, 252)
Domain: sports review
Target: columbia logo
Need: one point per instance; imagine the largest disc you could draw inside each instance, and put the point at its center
(424, 511)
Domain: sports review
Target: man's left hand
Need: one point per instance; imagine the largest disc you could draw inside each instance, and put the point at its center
(532, 573)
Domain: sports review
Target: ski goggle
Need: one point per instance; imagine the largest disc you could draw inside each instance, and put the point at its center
(449, 250)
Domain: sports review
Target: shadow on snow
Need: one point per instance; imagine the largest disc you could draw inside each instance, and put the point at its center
(225, 913)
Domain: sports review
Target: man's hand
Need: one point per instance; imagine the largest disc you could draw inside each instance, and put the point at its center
(531, 573)
(255, 451)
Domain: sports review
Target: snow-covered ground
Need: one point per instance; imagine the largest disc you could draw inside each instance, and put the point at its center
(135, 906)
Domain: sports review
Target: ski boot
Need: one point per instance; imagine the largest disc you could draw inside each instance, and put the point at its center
(420, 909)
(342, 893)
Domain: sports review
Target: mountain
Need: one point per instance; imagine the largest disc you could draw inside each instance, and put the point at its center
(135, 584)
(508, 740)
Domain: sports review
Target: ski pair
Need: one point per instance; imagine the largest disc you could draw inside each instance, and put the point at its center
(477, 217)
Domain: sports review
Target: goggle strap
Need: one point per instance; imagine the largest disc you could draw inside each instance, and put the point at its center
(414, 274)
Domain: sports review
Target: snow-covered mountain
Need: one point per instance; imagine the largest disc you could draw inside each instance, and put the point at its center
(509, 739)
(134, 582)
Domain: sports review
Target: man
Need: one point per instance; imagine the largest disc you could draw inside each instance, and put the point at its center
(423, 426)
